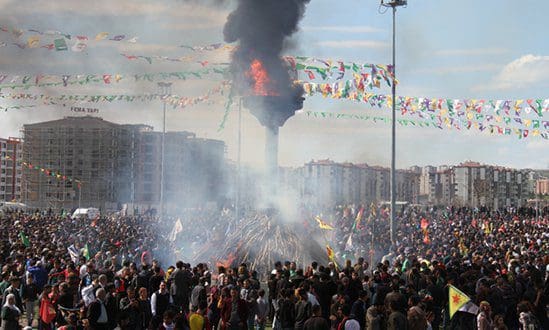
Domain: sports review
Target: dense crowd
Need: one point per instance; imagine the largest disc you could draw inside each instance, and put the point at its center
(122, 272)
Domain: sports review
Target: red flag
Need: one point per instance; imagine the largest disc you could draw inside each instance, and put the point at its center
(424, 223)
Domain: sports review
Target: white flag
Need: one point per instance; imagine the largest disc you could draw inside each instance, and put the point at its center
(74, 253)
(177, 228)
(349, 244)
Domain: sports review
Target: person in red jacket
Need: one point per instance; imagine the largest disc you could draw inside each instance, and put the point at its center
(234, 311)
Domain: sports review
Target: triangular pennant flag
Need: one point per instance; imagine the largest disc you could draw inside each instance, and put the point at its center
(456, 299)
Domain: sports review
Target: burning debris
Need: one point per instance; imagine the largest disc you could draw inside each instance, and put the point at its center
(260, 241)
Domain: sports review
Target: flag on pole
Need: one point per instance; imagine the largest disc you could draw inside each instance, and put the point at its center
(359, 215)
(424, 223)
(177, 228)
(456, 299)
(74, 253)
(322, 224)
(331, 254)
(24, 239)
(86, 252)
(349, 244)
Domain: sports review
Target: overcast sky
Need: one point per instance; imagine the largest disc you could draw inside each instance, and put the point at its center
(445, 49)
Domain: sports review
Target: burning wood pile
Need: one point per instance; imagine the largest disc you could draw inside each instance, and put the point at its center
(261, 240)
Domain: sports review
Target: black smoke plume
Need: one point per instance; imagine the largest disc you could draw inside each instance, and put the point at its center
(261, 27)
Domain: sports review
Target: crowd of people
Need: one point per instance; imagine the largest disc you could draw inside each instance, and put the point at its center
(123, 272)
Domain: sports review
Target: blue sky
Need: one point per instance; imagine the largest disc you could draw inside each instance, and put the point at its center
(445, 49)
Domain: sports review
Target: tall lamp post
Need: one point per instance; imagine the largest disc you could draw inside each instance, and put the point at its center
(164, 90)
(393, 4)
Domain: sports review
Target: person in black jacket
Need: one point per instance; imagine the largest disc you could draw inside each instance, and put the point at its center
(160, 303)
(145, 308)
(316, 321)
(97, 312)
(29, 294)
(129, 310)
(285, 315)
(359, 308)
(10, 314)
(111, 303)
(180, 286)
(302, 309)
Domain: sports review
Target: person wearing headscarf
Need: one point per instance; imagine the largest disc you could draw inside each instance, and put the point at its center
(10, 314)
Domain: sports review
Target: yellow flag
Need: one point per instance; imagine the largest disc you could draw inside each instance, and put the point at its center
(33, 41)
(322, 224)
(101, 36)
(456, 300)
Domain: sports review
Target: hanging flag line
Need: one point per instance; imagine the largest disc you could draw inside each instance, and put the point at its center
(15, 107)
(438, 122)
(48, 172)
(49, 80)
(57, 40)
(174, 100)
(351, 90)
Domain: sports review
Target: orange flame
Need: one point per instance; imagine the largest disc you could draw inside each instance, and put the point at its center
(261, 78)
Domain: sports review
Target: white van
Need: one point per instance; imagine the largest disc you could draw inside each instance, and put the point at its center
(90, 213)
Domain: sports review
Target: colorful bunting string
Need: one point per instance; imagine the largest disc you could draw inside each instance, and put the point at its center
(27, 81)
(15, 107)
(174, 100)
(405, 104)
(49, 172)
(182, 59)
(439, 123)
(56, 40)
(367, 74)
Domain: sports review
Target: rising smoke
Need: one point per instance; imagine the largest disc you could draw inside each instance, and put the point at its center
(262, 27)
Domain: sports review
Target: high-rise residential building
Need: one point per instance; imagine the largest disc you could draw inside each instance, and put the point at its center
(326, 182)
(10, 169)
(96, 153)
(491, 186)
(117, 164)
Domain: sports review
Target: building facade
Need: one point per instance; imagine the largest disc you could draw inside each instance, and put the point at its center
(115, 164)
(10, 169)
(326, 182)
(490, 186)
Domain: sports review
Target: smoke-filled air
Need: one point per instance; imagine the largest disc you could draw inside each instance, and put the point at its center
(274, 164)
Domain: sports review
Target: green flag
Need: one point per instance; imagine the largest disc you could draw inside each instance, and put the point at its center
(60, 44)
(86, 252)
(24, 239)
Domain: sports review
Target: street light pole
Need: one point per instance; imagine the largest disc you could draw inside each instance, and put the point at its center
(165, 90)
(393, 4)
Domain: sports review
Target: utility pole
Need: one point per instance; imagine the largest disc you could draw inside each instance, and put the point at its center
(165, 90)
(393, 4)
